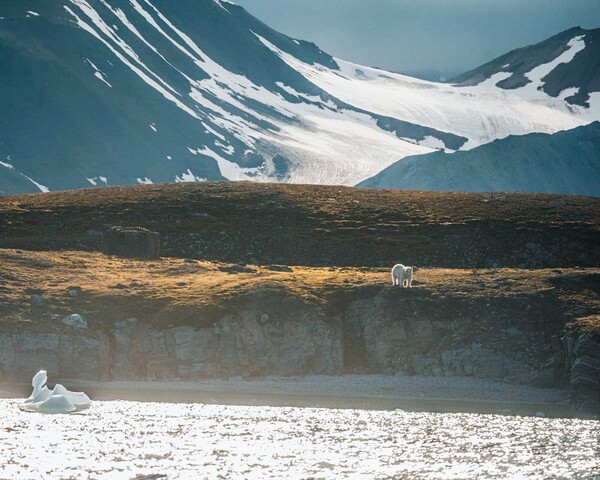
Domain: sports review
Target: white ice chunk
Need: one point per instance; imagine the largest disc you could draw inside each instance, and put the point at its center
(57, 400)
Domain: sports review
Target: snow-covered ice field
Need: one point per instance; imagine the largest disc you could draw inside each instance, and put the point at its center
(119, 439)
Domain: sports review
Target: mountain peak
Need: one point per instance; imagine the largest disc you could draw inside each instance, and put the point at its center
(563, 66)
(109, 92)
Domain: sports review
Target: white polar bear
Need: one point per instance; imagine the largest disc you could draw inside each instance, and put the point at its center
(402, 276)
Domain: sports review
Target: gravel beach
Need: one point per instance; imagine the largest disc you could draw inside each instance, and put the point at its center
(379, 392)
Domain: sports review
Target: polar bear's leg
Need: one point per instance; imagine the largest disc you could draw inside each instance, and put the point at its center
(396, 275)
(410, 277)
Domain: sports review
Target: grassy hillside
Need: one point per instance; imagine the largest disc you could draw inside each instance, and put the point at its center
(173, 291)
(317, 225)
(259, 279)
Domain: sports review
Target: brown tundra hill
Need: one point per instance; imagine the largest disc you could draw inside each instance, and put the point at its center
(317, 225)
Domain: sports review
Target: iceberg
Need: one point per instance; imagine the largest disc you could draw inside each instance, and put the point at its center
(57, 400)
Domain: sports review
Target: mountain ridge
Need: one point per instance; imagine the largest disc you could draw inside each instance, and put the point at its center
(581, 73)
(566, 162)
(110, 92)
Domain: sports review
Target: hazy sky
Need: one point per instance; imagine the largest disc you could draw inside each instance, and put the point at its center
(445, 37)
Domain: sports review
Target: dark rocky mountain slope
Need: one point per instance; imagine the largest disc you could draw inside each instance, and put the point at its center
(566, 162)
(578, 73)
(111, 92)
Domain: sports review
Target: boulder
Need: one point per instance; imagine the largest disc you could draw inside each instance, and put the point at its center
(279, 268)
(239, 268)
(75, 320)
(132, 242)
(74, 291)
(38, 301)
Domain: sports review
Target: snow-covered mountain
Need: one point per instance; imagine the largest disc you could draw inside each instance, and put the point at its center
(105, 92)
(565, 162)
(565, 66)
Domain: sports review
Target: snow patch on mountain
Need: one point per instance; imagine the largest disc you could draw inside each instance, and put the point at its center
(228, 149)
(565, 162)
(533, 90)
(229, 170)
(433, 142)
(141, 70)
(594, 102)
(494, 79)
(481, 113)
(97, 73)
(239, 101)
(42, 188)
(95, 181)
(10, 166)
(188, 176)
(7, 165)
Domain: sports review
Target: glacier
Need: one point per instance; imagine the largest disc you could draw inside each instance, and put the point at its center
(201, 90)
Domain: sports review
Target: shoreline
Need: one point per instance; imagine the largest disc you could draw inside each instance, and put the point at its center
(368, 392)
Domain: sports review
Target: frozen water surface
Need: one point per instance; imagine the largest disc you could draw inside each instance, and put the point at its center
(119, 439)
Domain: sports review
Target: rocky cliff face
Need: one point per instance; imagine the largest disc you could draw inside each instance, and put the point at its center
(385, 333)
(97, 317)
(582, 356)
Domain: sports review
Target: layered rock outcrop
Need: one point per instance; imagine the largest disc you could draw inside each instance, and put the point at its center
(583, 364)
(236, 345)
(100, 317)
(389, 332)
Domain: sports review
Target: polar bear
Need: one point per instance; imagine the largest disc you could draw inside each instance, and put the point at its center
(402, 276)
